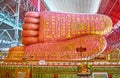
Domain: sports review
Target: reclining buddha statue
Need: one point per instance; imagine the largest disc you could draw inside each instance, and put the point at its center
(61, 36)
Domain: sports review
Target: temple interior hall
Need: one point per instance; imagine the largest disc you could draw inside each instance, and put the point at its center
(59, 38)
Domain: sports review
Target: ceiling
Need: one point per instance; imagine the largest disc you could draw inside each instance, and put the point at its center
(77, 6)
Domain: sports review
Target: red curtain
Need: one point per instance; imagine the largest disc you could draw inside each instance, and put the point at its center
(110, 8)
(42, 5)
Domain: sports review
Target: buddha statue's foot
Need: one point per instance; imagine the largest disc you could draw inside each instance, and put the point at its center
(83, 47)
(15, 54)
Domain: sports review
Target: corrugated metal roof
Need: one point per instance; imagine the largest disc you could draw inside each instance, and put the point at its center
(77, 6)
